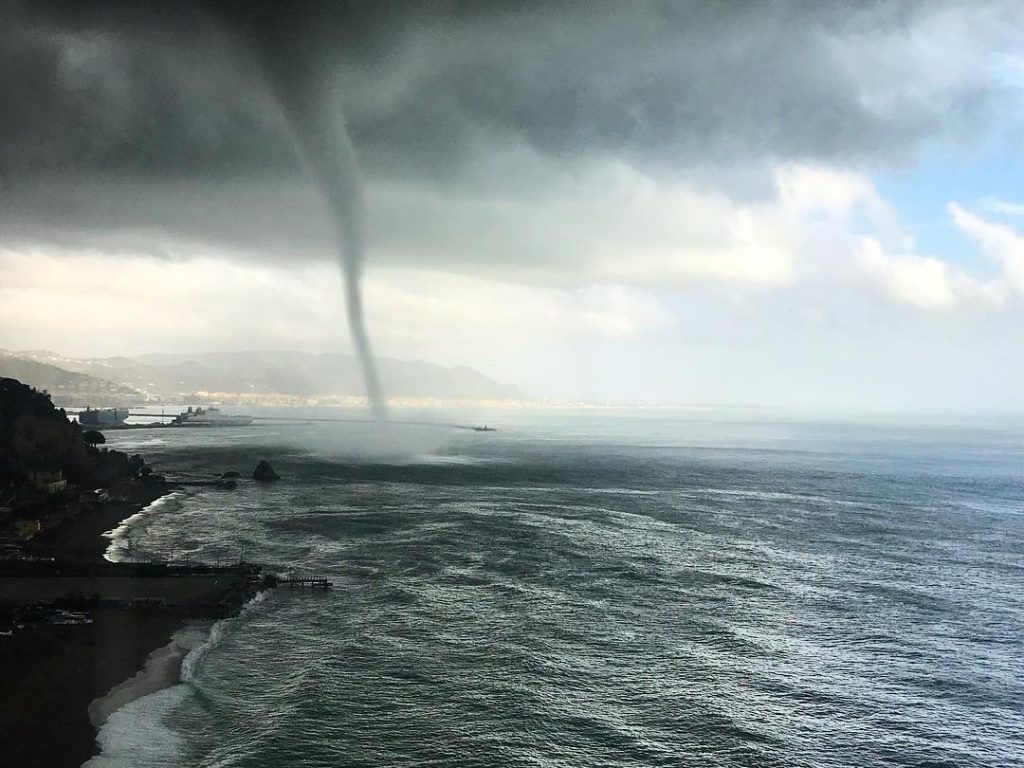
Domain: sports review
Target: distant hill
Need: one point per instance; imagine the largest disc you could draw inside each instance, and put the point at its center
(67, 387)
(294, 374)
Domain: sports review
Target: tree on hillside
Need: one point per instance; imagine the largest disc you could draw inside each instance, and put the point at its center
(94, 437)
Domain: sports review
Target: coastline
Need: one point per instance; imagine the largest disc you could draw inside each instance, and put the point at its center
(81, 538)
(77, 675)
(161, 669)
(57, 673)
(53, 674)
(81, 635)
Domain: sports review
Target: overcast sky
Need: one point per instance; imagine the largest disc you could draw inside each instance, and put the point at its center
(780, 203)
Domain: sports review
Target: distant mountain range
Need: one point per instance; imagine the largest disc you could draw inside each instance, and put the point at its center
(173, 377)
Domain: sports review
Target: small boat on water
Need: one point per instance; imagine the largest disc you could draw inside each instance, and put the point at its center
(210, 417)
(102, 417)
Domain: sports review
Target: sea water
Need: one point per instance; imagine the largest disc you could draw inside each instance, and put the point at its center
(598, 589)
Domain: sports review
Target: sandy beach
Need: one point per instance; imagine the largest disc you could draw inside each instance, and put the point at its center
(50, 676)
(81, 538)
(59, 683)
(162, 669)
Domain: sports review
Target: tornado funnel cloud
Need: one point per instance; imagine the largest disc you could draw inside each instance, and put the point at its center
(318, 124)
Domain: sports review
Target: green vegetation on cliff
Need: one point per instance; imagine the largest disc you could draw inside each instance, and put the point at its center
(40, 446)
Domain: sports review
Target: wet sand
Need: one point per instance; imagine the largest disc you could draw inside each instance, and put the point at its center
(82, 537)
(59, 682)
(162, 669)
(50, 675)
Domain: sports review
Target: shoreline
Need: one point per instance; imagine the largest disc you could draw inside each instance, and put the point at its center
(80, 635)
(65, 673)
(78, 675)
(81, 538)
(161, 669)
(53, 674)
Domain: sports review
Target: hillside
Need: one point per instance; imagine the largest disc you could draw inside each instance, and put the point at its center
(294, 374)
(37, 436)
(67, 387)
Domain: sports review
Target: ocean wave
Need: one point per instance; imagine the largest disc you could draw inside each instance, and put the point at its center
(138, 733)
(161, 670)
(121, 541)
(460, 460)
(192, 663)
(147, 442)
(634, 607)
(768, 495)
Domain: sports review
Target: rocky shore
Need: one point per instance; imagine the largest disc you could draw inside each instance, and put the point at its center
(80, 636)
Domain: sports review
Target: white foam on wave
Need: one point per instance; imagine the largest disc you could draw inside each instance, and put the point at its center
(766, 495)
(139, 733)
(195, 657)
(120, 537)
(161, 669)
(148, 442)
(621, 491)
(432, 459)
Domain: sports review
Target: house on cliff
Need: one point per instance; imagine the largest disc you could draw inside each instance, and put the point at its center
(48, 481)
(26, 529)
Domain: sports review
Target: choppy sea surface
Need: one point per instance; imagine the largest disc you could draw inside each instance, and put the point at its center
(593, 589)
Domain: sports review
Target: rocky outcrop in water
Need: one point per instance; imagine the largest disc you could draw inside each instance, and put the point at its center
(264, 473)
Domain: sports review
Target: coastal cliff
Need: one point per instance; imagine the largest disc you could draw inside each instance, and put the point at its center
(46, 465)
(74, 628)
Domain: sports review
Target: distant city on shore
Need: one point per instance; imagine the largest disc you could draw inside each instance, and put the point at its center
(235, 378)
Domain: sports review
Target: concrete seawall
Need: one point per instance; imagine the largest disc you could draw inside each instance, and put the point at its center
(193, 591)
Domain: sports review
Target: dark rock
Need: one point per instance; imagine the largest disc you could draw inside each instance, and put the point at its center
(227, 485)
(270, 580)
(264, 473)
(229, 474)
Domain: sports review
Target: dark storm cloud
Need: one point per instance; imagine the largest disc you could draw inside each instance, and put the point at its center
(166, 88)
(158, 93)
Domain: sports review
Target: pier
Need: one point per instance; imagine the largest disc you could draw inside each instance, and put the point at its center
(312, 582)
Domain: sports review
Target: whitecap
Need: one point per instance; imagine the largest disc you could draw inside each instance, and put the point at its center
(120, 537)
(138, 733)
(193, 660)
